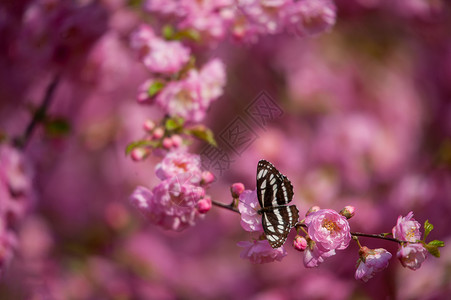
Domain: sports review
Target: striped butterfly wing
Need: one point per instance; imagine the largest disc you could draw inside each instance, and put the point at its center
(273, 188)
(274, 192)
(278, 222)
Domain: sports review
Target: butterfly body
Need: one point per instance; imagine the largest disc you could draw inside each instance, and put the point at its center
(274, 192)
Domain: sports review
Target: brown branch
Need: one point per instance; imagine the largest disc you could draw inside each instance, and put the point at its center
(226, 206)
(39, 114)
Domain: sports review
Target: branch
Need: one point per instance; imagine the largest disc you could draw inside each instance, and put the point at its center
(378, 236)
(226, 206)
(39, 114)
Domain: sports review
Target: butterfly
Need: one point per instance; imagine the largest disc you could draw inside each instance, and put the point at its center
(274, 192)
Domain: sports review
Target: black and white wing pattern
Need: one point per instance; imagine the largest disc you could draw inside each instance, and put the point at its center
(274, 192)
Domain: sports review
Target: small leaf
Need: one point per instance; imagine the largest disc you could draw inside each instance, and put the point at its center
(174, 123)
(427, 229)
(203, 133)
(432, 247)
(437, 243)
(57, 127)
(155, 87)
(187, 34)
(168, 32)
(142, 143)
(433, 250)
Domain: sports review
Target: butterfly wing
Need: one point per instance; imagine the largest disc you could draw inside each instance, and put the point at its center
(273, 188)
(278, 222)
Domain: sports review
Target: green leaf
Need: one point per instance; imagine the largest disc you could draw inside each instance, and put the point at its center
(168, 32)
(437, 243)
(142, 143)
(155, 87)
(427, 229)
(432, 247)
(203, 133)
(57, 127)
(190, 34)
(174, 123)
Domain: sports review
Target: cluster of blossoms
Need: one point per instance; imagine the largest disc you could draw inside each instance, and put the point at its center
(247, 20)
(189, 92)
(15, 198)
(325, 232)
(180, 198)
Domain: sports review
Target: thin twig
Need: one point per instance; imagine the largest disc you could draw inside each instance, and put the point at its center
(226, 206)
(40, 113)
(378, 236)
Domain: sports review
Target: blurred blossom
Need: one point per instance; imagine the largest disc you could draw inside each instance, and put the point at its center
(191, 96)
(158, 55)
(260, 252)
(311, 17)
(248, 207)
(171, 204)
(15, 198)
(178, 162)
(204, 205)
(370, 262)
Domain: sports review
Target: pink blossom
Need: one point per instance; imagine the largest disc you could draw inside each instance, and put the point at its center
(207, 177)
(348, 211)
(158, 55)
(210, 18)
(139, 153)
(172, 204)
(179, 162)
(259, 252)
(300, 243)
(237, 189)
(328, 229)
(313, 256)
(311, 17)
(204, 205)
(182, 98)
(407, 229)
(412, 255)
(371, 261)
(143, 91)
(213, 78)
(248, 207)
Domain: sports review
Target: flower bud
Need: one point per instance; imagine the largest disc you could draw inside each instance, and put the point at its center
(300, 243)
(207, 177)
(204, 205)
(139, 154)
(176, 140)
(158, 133)
(348, 211)
(149, 125)
(236, 189)
(312, 209)
(167, 143)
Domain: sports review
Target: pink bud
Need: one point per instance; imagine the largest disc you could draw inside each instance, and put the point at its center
(139, 154)
(236, 189)
(207, 177)
(158, 133)
(300, 243)
(312, 209)
(176, 140)
(167, 143)
(204, 205)
(348, 211)
(149, 125)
